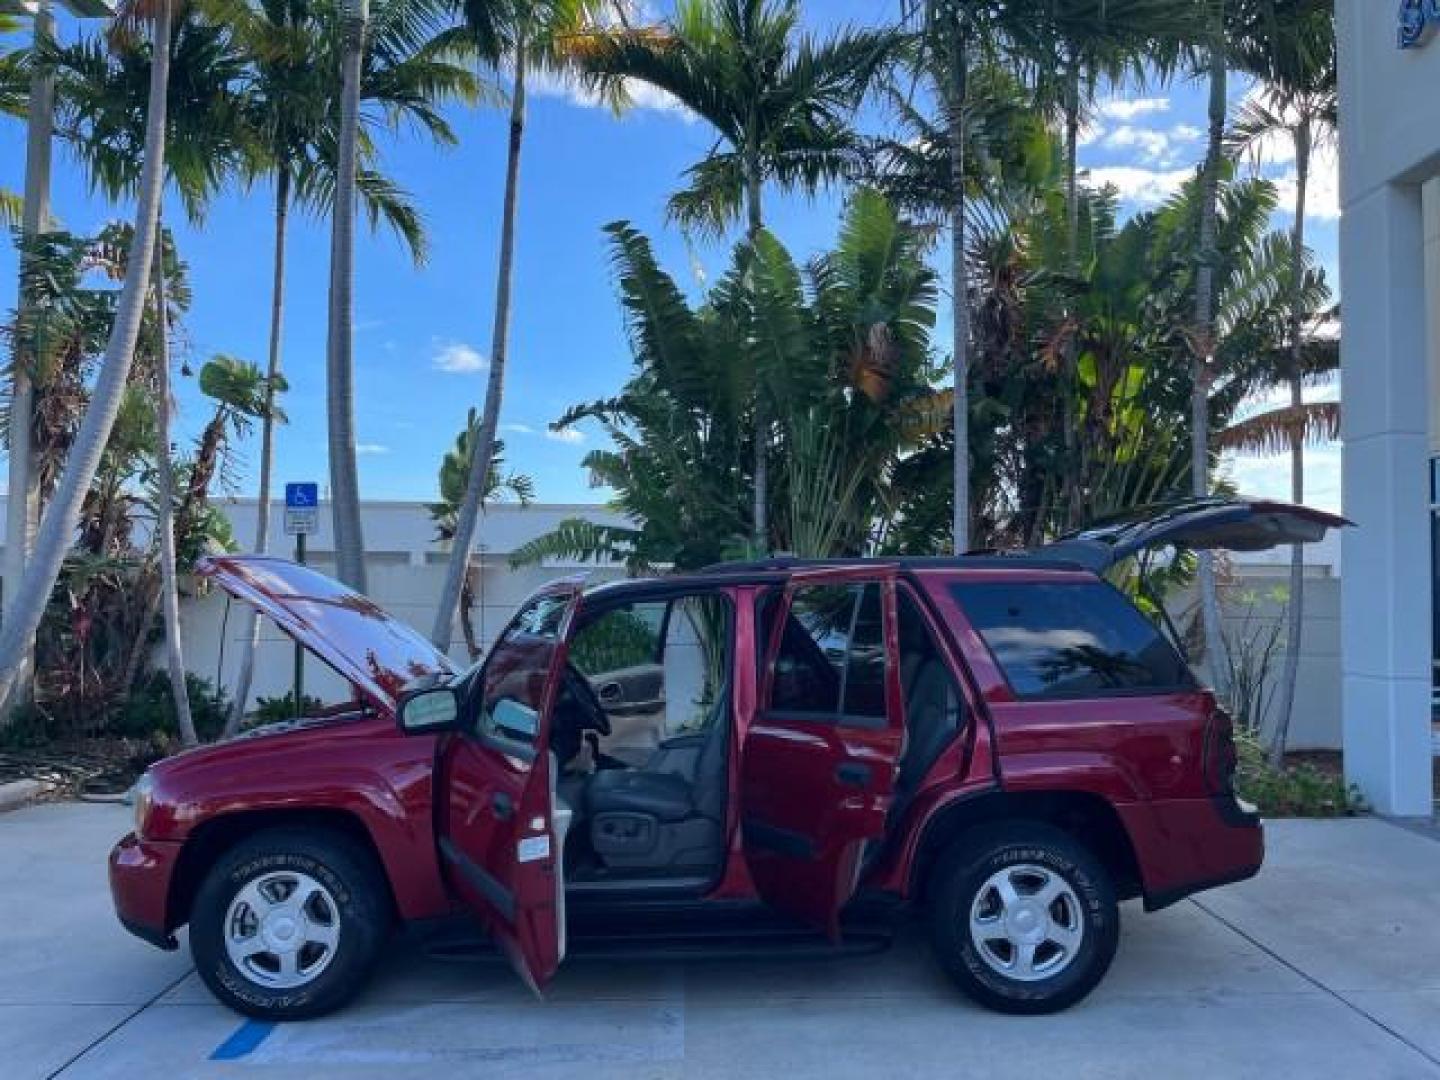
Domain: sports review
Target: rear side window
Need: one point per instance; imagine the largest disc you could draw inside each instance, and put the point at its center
(1055, 640)
(831, 661)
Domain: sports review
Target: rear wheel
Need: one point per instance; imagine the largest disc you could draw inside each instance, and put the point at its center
(288, 924)
(1024, 918)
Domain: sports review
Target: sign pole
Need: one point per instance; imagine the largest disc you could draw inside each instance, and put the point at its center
(302, 517)
(299, 652)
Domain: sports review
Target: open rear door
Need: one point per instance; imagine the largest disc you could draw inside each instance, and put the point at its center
(501, 825)
(1198, 524)
(818, 765)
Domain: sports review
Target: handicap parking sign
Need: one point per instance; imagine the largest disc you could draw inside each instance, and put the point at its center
(302, 508)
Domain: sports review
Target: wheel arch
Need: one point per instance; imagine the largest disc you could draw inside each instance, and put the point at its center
(1089, 818)
(209, 840)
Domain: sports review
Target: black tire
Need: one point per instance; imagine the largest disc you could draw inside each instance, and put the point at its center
(361, 913)
(957, 884)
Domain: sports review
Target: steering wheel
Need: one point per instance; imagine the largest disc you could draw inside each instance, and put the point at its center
(585, 699)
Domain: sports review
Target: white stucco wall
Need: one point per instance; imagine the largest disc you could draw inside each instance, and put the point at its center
(1389, 145)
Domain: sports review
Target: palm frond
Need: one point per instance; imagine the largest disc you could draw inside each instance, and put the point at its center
(1273, 432)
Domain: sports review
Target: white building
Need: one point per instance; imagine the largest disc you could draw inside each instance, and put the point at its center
(1390, 284)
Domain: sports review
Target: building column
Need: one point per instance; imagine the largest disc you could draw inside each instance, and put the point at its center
(1386, 579)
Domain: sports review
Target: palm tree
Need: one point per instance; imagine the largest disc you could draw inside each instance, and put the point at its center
(14, 101)
(165, 509)
(1246, 32)
(102, 102)
(1097, 40)
(1298, 100)
(58, 524)
(848, 335)
(399, 27)
(290, 105)
(17, 90)
(547, 35)
(782, 105)
(340, 341)
(456, 467)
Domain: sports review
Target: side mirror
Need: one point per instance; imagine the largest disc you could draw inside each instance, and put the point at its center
(428, 711)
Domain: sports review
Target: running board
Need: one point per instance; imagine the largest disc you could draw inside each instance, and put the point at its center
(723, 944)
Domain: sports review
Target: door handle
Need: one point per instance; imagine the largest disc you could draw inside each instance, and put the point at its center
(502, 806)
(853, 774)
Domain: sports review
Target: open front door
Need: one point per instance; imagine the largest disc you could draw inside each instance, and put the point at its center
(501, 826)
(819, 761)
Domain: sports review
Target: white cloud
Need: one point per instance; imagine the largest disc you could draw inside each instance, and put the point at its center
(566, 435)
(518, 429)
(1143, 187)
(1322, 199)
(1158, 146)
(457, 358)
(642, 95)
(1130, 108)
(371, 448)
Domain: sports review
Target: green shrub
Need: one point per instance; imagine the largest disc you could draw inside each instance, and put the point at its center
(1294, 791)
(29, 727)
(150, 709)
(270, 709)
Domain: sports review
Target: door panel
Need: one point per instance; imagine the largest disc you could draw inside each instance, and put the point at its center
(819, 761)
(501, 830)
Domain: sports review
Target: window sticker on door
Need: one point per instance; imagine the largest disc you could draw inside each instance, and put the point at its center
(533, 848)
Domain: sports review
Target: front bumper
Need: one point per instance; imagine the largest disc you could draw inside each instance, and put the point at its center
(1185, 846)
(140, 876)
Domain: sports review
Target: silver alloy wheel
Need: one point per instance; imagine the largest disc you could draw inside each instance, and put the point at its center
(282, 929)
(1027, 923)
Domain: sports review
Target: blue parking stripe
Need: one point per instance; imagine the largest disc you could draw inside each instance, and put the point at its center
(242, 1040)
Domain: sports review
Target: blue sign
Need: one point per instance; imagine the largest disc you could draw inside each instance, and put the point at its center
(1419, 19)
(302, 496)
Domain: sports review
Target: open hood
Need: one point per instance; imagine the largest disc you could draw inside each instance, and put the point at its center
(376, 652)
(1198, 524)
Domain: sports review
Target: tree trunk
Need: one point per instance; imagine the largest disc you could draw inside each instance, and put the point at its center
(22, 510)
(760, 513)
(146, 586)
(1071, 495)
(467, 621)
(1203, 345)
(483, 448)
(954, 95)
(165, 503)
(340, 366)
(267, 445)
(1296, 608)
(62, 515)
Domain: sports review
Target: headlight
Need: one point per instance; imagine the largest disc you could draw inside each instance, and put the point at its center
(143, 794)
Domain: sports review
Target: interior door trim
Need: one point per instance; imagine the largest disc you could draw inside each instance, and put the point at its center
(787, 842)
(487, 884)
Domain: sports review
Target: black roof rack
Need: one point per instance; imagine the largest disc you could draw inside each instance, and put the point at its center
(1011, 560)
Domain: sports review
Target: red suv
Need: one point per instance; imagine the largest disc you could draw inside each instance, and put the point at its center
(706, 761)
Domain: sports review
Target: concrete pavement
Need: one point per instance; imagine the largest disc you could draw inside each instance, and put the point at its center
(1328, 964)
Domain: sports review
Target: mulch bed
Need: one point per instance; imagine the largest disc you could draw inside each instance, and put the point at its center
(1329, 762)
(81, 767)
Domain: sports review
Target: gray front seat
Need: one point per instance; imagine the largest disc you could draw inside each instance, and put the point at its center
(654, 819)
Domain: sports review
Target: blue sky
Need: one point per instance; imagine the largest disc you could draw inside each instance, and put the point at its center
(423, 334)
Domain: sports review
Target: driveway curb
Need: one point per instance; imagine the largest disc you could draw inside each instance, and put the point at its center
(18, 793)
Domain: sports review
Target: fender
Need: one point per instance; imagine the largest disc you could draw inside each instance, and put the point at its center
(363, 768)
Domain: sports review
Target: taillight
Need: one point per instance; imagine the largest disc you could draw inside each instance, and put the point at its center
(1220, 755)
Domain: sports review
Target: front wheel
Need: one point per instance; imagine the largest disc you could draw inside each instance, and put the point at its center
(1024, 918)
(287, 924)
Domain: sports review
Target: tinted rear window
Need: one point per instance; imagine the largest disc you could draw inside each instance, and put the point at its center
(1070, 640)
